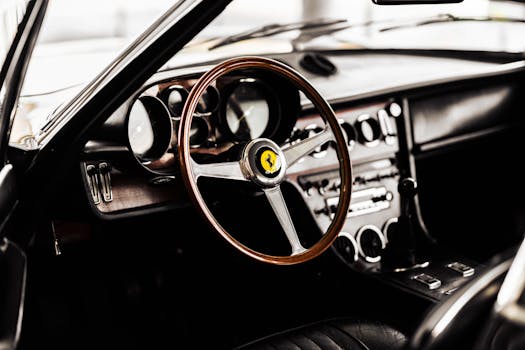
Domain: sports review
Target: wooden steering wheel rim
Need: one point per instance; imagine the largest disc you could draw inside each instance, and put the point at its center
(326, 113)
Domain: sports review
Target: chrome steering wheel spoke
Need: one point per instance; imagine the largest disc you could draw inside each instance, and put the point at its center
(297, 151)
(276, 199)
(224, 170)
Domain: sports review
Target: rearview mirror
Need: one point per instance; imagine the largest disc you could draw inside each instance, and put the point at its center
(414, 2)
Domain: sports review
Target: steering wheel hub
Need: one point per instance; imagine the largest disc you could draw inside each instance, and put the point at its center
(263, 162)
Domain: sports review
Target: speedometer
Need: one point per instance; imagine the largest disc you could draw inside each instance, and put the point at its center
(248, 110)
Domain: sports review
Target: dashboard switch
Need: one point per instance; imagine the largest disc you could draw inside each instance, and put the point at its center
(386, 127)
(369, 130)
(395, 110)
(429, 281)
(105, 181)
(93, 182)
(462, 269)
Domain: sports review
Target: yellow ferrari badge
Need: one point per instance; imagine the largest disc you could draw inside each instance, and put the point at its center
(270, 161)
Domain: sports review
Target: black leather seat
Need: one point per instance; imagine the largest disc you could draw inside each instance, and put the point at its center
(456, 323)
(336, 334)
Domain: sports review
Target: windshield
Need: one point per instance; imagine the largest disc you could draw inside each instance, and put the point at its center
(372, 26)
(79, 38)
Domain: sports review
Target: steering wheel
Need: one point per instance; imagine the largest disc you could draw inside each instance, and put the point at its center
(265, 163)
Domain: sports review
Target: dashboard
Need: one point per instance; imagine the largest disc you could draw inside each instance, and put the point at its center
(234, 110)
(130, 166)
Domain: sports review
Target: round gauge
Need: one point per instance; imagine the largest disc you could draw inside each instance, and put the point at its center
(209, 101)
(140, 131)
(174, 97)
(199, 132)
(248, 110)
(149, 129)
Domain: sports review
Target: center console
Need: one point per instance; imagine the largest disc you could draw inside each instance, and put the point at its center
(381, 233)
(371, 134)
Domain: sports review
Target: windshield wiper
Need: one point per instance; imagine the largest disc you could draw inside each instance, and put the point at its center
(274, 29)
(312, 29)
(447, 17)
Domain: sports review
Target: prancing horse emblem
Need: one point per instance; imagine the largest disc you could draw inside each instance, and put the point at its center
(270, 162)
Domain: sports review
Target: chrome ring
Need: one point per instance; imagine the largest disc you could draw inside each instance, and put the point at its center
(375, 229)
(386, 225)
(353, 241)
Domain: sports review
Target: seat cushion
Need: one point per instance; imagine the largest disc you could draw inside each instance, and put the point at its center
(337, 334)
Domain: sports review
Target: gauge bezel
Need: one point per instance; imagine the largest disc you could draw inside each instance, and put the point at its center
(204, 127)
(184, 91)
(162, 126)
(200, 117)
(216, 96)
(164, 96)
(274, 107)
(284, 94)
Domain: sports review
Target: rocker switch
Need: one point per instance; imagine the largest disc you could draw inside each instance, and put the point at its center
(386, 127)
(429, 281)
(462, 269)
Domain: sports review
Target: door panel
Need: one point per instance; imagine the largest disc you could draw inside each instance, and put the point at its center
(12, 290)
(12, 257)
(8, 194)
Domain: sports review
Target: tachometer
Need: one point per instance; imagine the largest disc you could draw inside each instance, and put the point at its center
(249, 109)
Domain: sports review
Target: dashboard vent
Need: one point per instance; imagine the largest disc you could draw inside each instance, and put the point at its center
(317, 64)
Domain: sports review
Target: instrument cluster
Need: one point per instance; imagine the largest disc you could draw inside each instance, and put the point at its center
(233, 110)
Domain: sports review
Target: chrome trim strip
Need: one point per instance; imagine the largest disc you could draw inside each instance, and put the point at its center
(413, 267)
(507, 303)
(370, 192)
(5, 172)
(464, 298)
(366, 206)
(156, 30)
